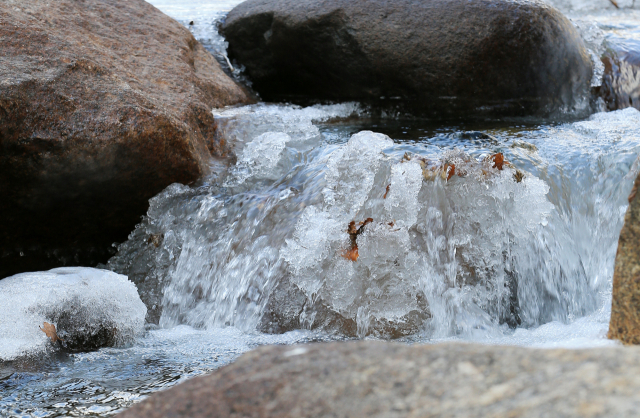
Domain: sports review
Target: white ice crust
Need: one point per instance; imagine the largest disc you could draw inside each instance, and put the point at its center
(30, 299)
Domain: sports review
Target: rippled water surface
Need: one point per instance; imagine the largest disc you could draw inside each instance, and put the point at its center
(458, 247)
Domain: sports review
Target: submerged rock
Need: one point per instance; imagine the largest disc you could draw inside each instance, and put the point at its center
(103, 104)
(376, 379)
(625, 304)
(442, 57)
(89, 308)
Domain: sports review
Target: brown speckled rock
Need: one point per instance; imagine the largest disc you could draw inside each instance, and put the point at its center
(625, 305)
(103, 103)
(377, 379)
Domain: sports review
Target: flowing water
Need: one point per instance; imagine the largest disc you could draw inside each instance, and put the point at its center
(338, 222)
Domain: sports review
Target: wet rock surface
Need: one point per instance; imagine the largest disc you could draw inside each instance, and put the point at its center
(440, 57)
(102, 105)
(365, 379)
(625, 304)
(621, 81)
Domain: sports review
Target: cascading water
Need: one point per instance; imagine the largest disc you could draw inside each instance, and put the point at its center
(474, 255)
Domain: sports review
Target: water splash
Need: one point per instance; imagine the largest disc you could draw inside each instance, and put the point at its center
(472, 256)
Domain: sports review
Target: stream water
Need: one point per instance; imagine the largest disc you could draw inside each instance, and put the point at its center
(458, 246)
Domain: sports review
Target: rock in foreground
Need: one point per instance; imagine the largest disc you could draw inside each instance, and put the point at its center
(90, 308)
(103, 104)
(443, 57)
(377, 379)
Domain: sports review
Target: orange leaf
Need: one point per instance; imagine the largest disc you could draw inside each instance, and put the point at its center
(498, 160)
(50, 331)
(387, 192)
(363, 224)
(450, 170)
(351, 254)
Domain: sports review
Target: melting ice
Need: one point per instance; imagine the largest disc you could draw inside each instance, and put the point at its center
(89, 306)
(472, 256)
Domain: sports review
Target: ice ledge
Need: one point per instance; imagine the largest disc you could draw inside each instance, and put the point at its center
(89, 307)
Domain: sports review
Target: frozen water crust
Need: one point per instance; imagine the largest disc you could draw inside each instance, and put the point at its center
(472, 255)
(90, 308)
(209, 256)
(445, 250)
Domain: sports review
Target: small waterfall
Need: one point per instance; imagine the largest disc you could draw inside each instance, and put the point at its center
(356, 235)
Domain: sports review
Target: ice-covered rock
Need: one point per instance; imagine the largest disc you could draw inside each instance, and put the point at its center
(443, 243)
(428, 237)
(90, 308)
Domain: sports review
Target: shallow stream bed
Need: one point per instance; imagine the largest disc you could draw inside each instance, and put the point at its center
(459, 247)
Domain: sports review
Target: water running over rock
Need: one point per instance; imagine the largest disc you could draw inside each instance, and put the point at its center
(467, 253)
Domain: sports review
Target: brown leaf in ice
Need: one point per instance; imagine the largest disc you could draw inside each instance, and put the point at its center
(387, 192)
(518, 176)
(155, 239)
(614, 3)
(363, 224)
(449, 170)
(352, 252)
(498, 160)
(50, 331)
(351, 229)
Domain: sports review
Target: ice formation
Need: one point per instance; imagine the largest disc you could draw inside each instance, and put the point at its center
(371, 237)
(430, 239)
(89, 307)
(259, 158)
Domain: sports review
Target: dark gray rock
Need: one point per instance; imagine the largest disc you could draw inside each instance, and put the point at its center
(377, 379)
(442, 57)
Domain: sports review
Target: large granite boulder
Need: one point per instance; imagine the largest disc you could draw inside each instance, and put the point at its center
(103, 103)
(442, 57)
(377, 379)
(625, 304)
